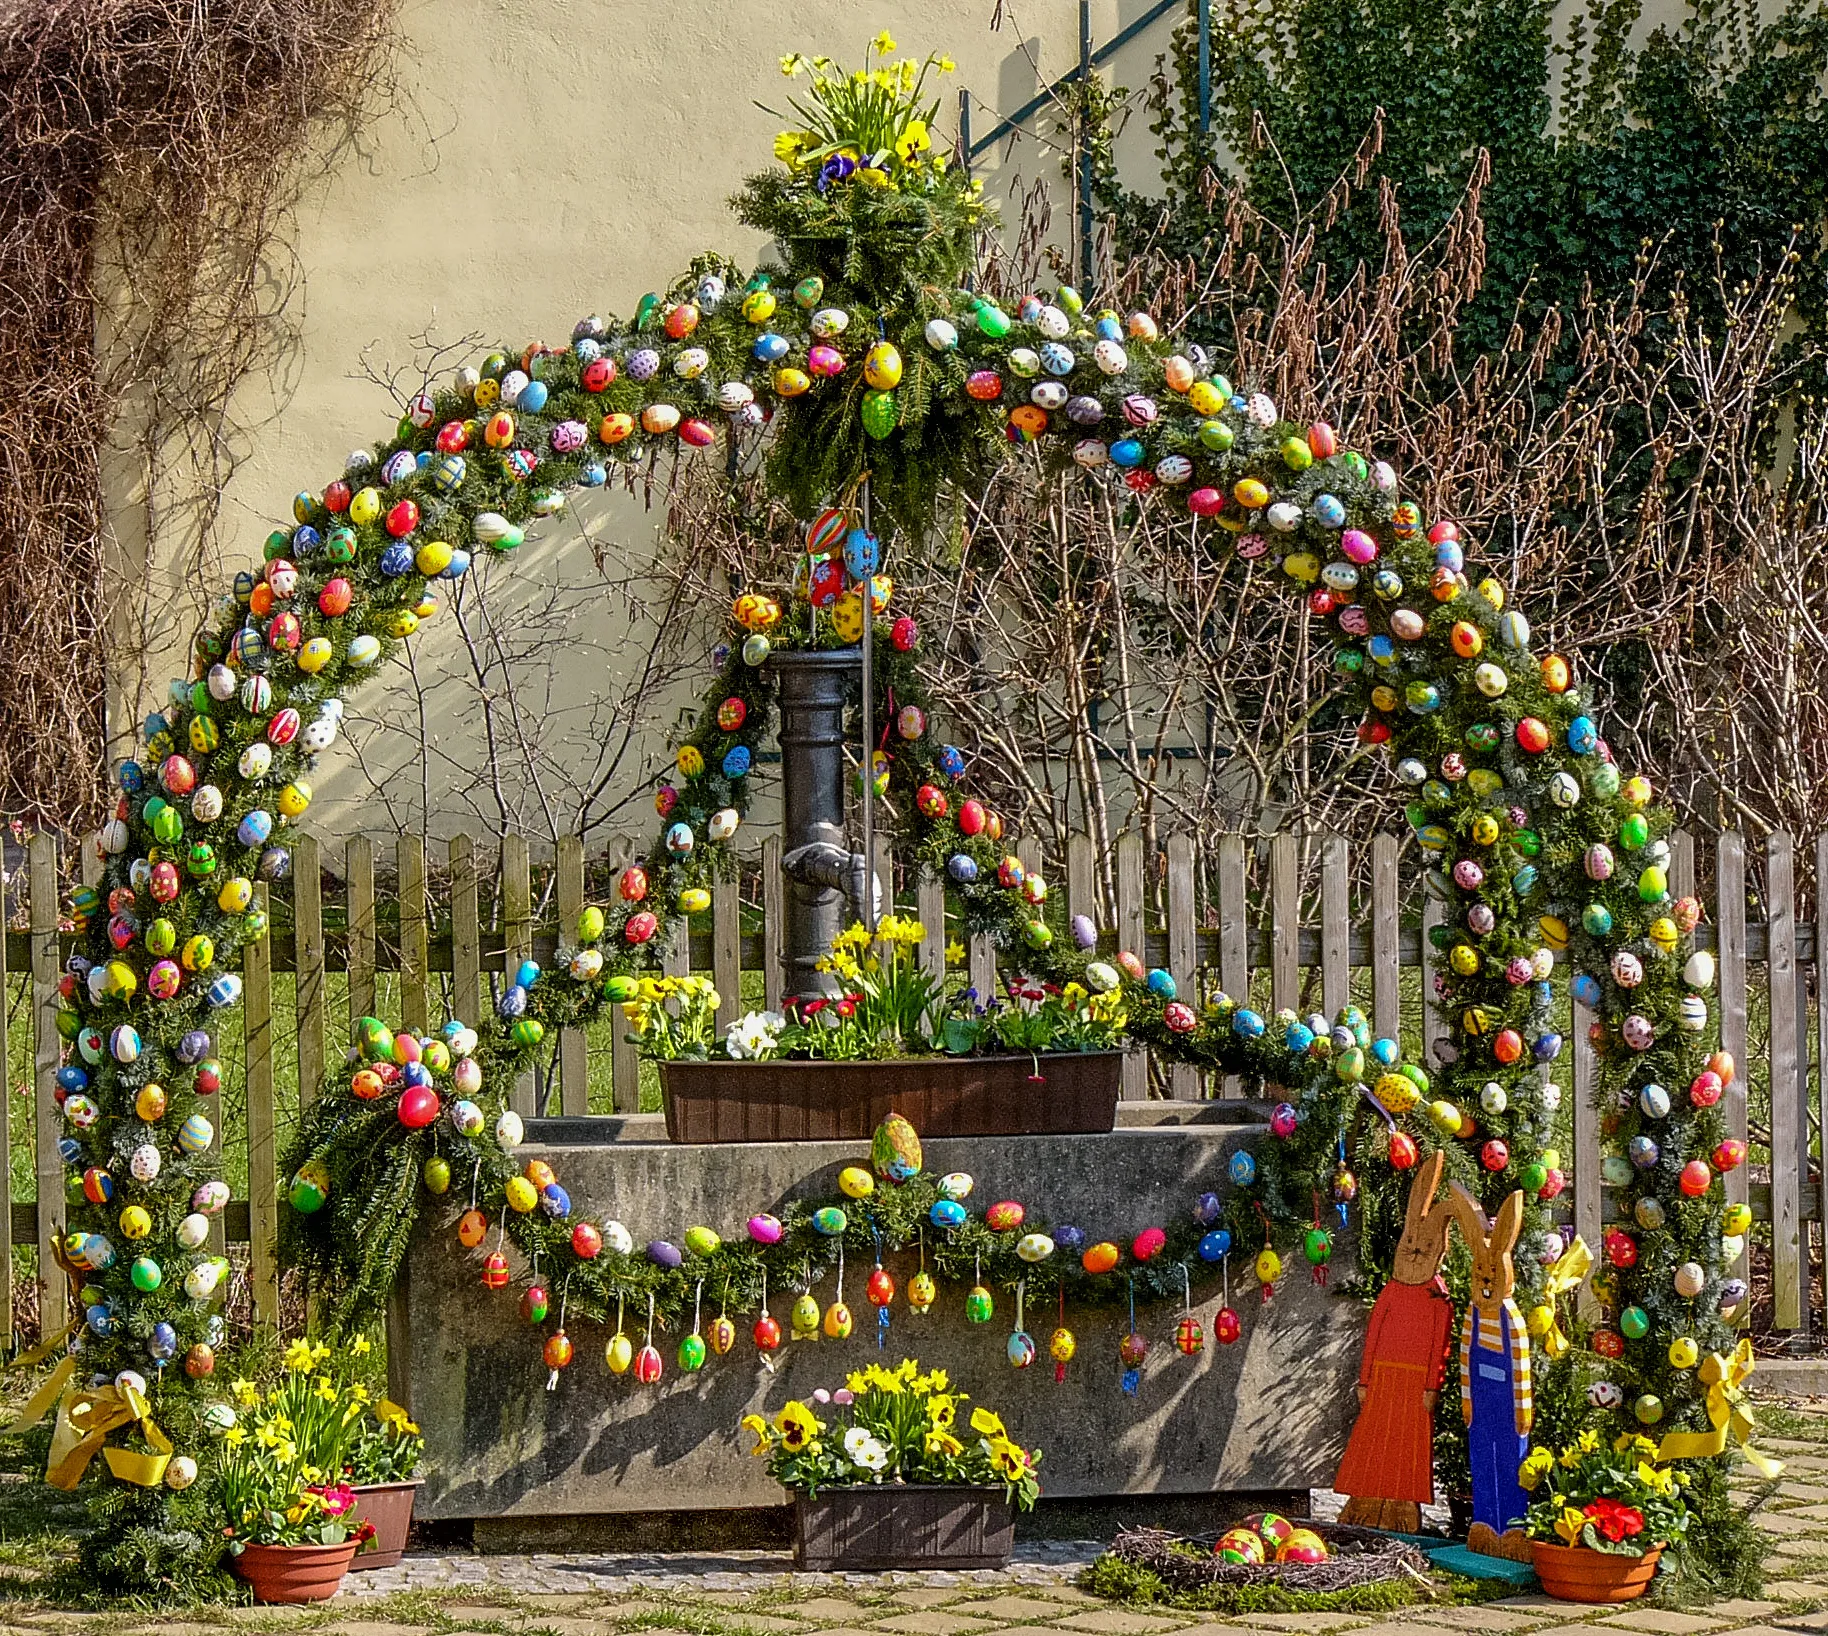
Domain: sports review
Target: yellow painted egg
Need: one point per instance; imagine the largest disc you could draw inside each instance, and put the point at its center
(135, 1222)
(151, 1102)
(365, 506)
(1250, 494)
(854, 1182)
(1554, 931)
(403, 623)
(882, 366)
(236, 894)
(694, 900)
(791, 383)
(1663, 933)
(523, 1196)
(294, 798)
(317, 652)
(433, 557)
(690, 761)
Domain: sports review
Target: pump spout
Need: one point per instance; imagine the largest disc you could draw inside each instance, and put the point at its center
(825, 864)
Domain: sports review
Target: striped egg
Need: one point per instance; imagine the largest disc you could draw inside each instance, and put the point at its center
(196, 1134)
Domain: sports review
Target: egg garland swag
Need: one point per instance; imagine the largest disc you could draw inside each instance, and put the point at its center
(1542, 848)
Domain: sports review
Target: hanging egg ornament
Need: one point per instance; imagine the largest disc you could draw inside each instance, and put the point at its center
(922, 1292)
(766, 1334)
(1189, 1337)
(980, 1305)
(837, 1324)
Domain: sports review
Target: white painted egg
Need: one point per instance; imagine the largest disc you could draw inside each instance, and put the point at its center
(955, 1185)
(941, 335)
(618, 1238)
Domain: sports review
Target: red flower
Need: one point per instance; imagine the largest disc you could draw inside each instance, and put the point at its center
(1615, 1521)
(845, 1005)
(811, 1008)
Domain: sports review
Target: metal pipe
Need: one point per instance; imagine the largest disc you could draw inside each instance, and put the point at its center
(1203, 10)
(1085, 146)
(869, 700)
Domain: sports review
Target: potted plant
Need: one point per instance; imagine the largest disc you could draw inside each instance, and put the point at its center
(287, 1514)
(383, 1456)
(1600, 1517)
(891, 1479)
(894, 1038)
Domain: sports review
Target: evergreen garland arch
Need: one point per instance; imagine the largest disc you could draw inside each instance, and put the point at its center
(867, 350)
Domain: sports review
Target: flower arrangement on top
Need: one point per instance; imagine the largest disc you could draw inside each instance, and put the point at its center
(893, 1425)
(1609, 1497)
(869, 125)
(889, 1006)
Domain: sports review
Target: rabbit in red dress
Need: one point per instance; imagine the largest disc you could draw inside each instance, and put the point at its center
(1388, 1469)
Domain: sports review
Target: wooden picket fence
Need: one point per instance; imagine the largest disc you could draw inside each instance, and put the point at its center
(1230, 915)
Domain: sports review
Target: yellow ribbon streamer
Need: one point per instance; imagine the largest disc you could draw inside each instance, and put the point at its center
(1728, 1414)
(85, 1416)
(1562, 1278)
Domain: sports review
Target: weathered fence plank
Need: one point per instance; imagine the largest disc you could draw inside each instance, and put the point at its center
(1232, 894)
(358, 877)
(53, 1289)
(517, 943)
(1184, 1083)
(1130, 936)
(1789, 1139)
(1386, 992)
(574, 1045)
(263, 1134)
(1335, 925)
(1730, 930)
(1284, 921)
(308, 954)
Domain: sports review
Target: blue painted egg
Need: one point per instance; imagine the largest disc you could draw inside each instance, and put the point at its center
(555, 1201)
(1643, 1152)
(952, 761)
(1381, 648)
(962, 867)
(1216, 1245)
(254, 828)
(1126, 451)
(1242, 1169)
(72, 1078)
(1546, 1047)
(513, 1002)
(448, 474)
(950, 1213)
(737, 761)
(862, 553)
(1448, 555)
(1298, 1037)
(1248, 1024)
(1329, 511)
(1206, 1209)
(1583, 736)
(830, 1220)
(1586, 990)
(593, 476)
(663, 1254)
(1108, 329)
(458, 566)
(131, 777)
(771, 348)
(533, 397)
(397, 559)
(1524, 881)
(1070, 1240)
(100, 1321)
(69, 1150)
(163, 1342)
(306, 541)
(415, 1074)
(527, 974)
(1161, 984)
(1387, 1052)
(1057, 358)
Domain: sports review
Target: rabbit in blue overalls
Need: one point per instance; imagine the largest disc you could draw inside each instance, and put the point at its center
(1494, 1378)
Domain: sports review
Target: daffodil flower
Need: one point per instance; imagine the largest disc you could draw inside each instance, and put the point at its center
(882, 45)
(987, 1424)
(792, 64)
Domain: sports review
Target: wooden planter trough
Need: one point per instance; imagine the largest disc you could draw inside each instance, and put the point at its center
(845, 1101)
(897, 1525)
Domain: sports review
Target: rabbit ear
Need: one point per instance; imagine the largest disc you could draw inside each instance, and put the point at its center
(1508, 1223)
(1421, 1194)
(1469, 1217)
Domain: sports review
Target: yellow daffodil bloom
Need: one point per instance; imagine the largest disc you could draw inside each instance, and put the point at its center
(1569, 1524)
(987, 1424)
(787, 146)
(235, 1436)
(870, 176)
(955, 953)
(244, 1393)
(882, 45)
(755, 1423)
(361, 1346)
(299, 1357)
(792, 64)
(1537, 1465)
(946, 65)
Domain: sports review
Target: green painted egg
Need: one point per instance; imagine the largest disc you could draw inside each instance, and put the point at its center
(880, 413)
(701, 1240)
(692, 1353)
(829, 1220)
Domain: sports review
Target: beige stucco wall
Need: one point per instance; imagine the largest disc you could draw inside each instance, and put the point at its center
(545, 159)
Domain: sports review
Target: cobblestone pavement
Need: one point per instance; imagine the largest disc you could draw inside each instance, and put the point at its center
(755, 1593)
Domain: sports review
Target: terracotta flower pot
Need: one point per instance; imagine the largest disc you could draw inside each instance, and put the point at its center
(1572, 1573)
(294, 1573)
(389, 1506)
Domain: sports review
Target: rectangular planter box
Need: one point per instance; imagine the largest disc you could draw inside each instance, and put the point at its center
(940, 1096)
(903, 1526)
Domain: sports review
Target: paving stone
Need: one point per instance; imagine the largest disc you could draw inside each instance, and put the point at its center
(1739, 1608)
(831, 1607)
(1802, 1491)
(932, 1622)
(1791, 1590)
(1116, 1622)
(1487, 1616)
(1009, 1606)
(770, 1623)
(1659, 1622)
(355, 1627)
(1300, 1621)
(917, 1597)
(1805, 1621)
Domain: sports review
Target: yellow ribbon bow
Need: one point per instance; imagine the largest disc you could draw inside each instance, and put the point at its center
(85, 1416)
(1728, 1414)
(1562, 1278)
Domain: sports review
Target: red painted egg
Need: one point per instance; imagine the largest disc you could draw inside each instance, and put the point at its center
(334, 599)
(418, 1106)
(402, 519)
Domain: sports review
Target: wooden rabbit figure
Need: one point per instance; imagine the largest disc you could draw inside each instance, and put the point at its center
(1494, 1378)
(1388, 1469)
